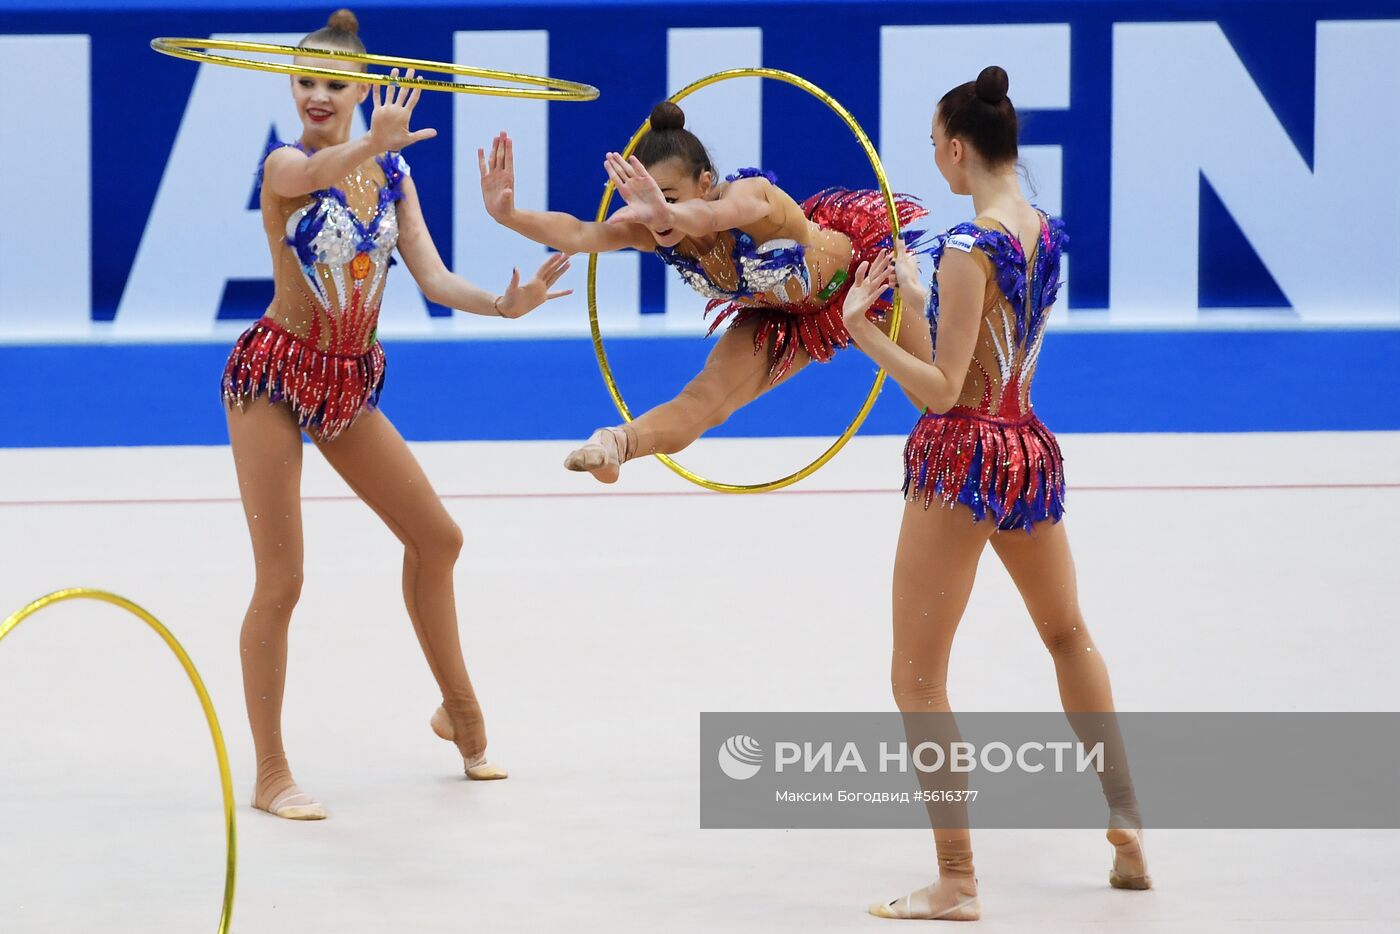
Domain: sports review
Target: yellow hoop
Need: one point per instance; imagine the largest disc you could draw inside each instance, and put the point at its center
(549, 89)
(225, 780)
(870, 397)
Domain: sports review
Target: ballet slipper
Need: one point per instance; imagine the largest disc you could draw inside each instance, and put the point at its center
(291, 803)
(1129, 865)
(945, 900)
(477, 769)
(601, 455)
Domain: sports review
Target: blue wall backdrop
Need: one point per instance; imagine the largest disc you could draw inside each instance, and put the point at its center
(1226, 170)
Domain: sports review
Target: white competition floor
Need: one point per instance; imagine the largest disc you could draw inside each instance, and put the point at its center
(1218, 572)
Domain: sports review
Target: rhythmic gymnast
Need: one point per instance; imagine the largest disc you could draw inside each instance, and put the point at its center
(778, 271)
(992, 469)
(334, 209)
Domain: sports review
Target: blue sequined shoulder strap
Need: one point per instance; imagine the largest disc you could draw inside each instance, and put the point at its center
(965, 237)
(272, 147)
(1008, 263)
(395, 171)
(278, 144)
(752, 172)
(393, 164)
(1052, 250)
(759, 267)
(1001, 249)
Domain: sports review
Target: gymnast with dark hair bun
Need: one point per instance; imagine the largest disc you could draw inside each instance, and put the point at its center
(994, 472)
(777, 271)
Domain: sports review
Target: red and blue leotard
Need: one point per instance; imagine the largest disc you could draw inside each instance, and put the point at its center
(989, 451)
(763, 270)
(316, 347)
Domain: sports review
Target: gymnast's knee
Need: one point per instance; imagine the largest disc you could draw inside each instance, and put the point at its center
(438, 543)
(916, 694)
(1066, 638)
(277, 587)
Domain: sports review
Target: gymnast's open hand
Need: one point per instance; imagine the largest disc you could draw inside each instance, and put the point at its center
(498, 177)
(388, 125)
(520, 300)
(646, 205)
(872, 279)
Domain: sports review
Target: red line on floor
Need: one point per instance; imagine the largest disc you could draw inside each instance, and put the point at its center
(583, 494)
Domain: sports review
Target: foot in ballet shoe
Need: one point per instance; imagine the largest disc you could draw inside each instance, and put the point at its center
(291, 803)
(1129, 864)
(601, 455)
(477, 768)
(945, 900)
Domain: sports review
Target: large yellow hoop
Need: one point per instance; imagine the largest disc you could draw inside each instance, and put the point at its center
(225, 779)
(870, 397)
(537, 88)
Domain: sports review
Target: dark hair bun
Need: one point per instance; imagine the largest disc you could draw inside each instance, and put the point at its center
(667, 116)
(992, 84)
(343, 21)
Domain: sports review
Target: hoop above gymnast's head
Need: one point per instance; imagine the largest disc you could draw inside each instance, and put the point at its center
(339, 42)
(342, 32)
(327, 102)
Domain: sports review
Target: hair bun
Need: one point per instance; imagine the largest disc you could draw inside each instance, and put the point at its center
(992, 84)
(343, 21)
(667, 116)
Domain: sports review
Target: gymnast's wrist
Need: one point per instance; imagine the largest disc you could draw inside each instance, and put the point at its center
(371, 145)
(859, 326)
(496, 305)
(670, 219)
(712, 222)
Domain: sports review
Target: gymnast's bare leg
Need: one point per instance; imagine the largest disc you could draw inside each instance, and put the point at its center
(375, 462)
(734, 375)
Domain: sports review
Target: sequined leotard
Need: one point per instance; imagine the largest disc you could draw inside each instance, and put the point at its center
(315, 347)
(990, 451)
(796, 290)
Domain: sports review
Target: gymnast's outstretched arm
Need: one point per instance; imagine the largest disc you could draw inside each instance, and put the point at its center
(743, 203)
(555, 229)
(441, 285)
(292, 173)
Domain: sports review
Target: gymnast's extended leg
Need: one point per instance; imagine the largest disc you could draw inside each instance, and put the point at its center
(734, 375)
